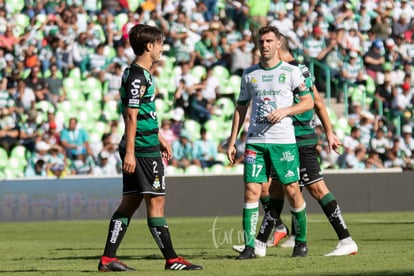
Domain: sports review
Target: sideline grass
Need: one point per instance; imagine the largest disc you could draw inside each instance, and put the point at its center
(386, 242)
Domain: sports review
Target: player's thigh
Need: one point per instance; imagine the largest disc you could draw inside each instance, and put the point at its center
(285, 162)
(256, 164)
(310, 170)
(148, 177)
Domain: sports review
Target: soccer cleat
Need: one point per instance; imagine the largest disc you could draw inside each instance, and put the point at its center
(300, 249)
(259, 248)
(279, 233)
(181, 264)
(289, 243)
(345, 247)
(248, 253)
(115, 265)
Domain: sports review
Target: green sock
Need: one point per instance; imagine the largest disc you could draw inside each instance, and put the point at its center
(299, 222)
(250, 218)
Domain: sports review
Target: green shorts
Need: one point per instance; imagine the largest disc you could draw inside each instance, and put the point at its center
(261, 159)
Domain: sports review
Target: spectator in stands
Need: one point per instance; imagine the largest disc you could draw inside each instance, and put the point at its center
(205, 151)
(24, 98)
(51, 135)
(80, 52)
(352, 70)
(40, 153)
(177, 123)
(206, 50)
(56, 162)
(9, 131)
(38, 85)
(373, 160)
(402, 101)
(396, 156)
(38, 170)
(98, 62)
(380, 143)
(373, 60)
(314, 44)
(182, 150)
(28, 131)
(166, 131)
(103, 166)
(55, 85)
(8, 40)
(384, 93)
(241, 53)
(407, 140)
(350, 144)
(75, 141)
(200, 109)
(356, 160)
(113, 76)
(82, 164)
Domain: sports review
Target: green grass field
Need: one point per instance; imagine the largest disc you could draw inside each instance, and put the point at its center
(385, 240)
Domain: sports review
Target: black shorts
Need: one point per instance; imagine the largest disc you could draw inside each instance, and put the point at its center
(148, 177)
(310, 170)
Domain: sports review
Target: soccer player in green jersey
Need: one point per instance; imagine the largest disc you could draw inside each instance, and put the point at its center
(270, 86)
(142, 150)
(311, 175)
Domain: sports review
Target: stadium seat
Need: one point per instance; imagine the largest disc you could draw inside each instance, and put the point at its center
(342, 128)
(198, 71)
(194, 170)
(4, 157)
(15, 168)
(171, 170)
(216, 169)
(110, 110)
(193, 129)
(120, 20)
(226, 106)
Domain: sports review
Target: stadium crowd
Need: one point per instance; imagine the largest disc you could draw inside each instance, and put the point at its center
(61, 62)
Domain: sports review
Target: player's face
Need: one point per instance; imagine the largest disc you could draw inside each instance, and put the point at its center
(156, 51)
(268, 46)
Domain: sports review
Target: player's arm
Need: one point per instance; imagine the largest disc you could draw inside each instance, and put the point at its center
(305, 104)
(130, 131)
(166, 151)
(238, 119)
(320, 109)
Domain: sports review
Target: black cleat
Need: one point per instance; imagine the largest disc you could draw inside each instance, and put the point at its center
(181, 264)
(300, 249)
(115, 265)
(248, 253)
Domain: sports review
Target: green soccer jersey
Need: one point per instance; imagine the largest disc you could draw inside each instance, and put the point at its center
(138, 91)
(304, 123)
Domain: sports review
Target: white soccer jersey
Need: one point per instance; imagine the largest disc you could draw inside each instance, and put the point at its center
(269, 89)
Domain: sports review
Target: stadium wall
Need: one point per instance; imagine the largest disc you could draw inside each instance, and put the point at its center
(213, 195)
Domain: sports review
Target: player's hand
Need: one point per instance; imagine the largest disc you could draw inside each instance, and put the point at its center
(231, 154)
(129, 163)
(334, 143)
(277, 115)
(166, 152)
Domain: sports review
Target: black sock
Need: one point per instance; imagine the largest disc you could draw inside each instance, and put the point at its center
(159, 230)
(333, 213)
(117, 228)
(270, 219)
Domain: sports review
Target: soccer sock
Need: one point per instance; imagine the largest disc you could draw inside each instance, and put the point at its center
(333, 213)
(250, 218)
(265, 202)
(159, 230)
(117, 228)
(299, 222)
(270, 219)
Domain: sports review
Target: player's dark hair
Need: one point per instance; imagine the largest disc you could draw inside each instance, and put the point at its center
(269, 29)
(140, 35)
(284, 43)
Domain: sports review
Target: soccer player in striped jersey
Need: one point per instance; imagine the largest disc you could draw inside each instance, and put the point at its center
(270, 87)
(311, 175)
(142, 150)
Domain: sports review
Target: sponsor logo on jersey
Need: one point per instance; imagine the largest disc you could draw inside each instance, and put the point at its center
(289, 174)
(287, 156)
(136, 86)
(269, 92)
(282, 78)
(142, 91)
(133, 101)
(267, 78)
(249, 156)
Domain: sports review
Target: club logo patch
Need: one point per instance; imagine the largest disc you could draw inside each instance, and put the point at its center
(249, 157)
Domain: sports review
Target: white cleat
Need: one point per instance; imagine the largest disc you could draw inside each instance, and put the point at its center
(345, 247)
(259, 248)
(289, 243)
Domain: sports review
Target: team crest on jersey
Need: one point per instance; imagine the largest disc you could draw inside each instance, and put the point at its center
(282, 78)
(249, 157)
(267, 78)
(156, 185)
(142, 90)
